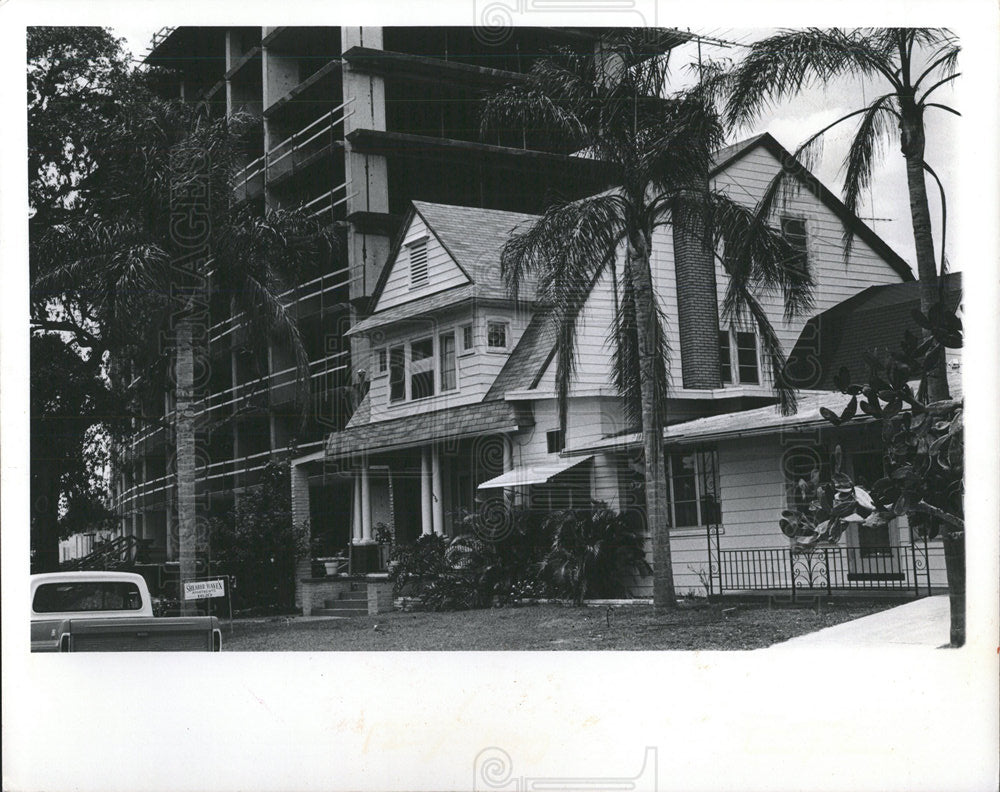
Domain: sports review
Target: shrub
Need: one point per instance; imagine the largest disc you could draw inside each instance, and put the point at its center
(259, 543)
(593, 552)
(489, 562)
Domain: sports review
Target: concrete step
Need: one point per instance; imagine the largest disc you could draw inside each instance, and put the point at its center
(342, 606)
(353, 596)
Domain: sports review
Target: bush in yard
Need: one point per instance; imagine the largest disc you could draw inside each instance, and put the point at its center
(592, 554)
(477, 568)
(259, 543)
(924, 451)
(415, 565)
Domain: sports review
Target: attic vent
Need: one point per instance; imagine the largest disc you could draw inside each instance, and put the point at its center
(418, 263)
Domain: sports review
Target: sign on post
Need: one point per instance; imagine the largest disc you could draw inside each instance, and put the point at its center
(204, 589)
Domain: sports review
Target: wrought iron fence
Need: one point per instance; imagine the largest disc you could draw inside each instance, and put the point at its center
(826, 569)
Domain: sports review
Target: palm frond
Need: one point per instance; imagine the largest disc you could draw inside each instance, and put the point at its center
(749, 311)
(874, 129)
(758, 259)
(569, 248)
(780, 66)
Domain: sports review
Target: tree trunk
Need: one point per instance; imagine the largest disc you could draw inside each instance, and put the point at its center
(45, 520)
(664, 596)
(912, 133)
(913, 141)
(954, 559)
(184, 428)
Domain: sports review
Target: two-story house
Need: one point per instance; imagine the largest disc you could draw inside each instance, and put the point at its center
(460, 412)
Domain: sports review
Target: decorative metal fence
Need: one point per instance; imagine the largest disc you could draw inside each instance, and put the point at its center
(903, 568)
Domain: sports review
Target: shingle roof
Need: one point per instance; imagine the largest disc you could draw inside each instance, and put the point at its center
(871, 320)
(474, 238)
(527, 362)
(722, 157)
(759, 421)
(453, 422)
(416, 308)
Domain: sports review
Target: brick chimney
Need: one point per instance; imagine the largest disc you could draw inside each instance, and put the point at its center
(697, 300)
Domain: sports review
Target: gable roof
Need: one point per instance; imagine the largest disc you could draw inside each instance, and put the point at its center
(871, 320)
(727, 156)
(472, 237)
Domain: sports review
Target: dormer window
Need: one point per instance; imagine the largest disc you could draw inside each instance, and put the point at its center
(418, 263)
(496, 335)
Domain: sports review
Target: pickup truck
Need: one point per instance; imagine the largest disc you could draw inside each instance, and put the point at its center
(110, 612)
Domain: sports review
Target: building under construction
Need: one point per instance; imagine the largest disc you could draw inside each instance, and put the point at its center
(355, 123)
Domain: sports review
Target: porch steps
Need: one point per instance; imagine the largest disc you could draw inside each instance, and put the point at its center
(347, 603)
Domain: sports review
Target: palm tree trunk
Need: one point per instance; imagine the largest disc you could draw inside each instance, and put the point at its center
(187, 525)
(954, 560)
(664, 596)
(927, 271)
(913, 141)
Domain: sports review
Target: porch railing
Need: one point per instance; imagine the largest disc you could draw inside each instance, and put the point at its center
(826, 569)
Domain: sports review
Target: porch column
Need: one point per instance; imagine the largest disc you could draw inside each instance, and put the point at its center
(366, 504)
(356, 510)
(425, 491)
(508, 465)
(437, 493)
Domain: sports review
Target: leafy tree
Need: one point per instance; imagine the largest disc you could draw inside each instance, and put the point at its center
(659, 150)
(76, 78)
(923, 446)
(163, 228)
(68, 399)
(911, 64)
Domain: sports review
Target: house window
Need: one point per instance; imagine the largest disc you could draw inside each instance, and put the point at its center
(693, 480)
(738, 359)
(725, 358)
(793, 229)
(746, 358)
(397, 374)
(418, 263)
(381, 364)
(467, 343)
(555, 440)
(446, 354)
(422, 368)
(496, 335)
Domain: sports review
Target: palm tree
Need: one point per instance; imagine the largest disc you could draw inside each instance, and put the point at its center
(165, 231)
(659, 151)
(912, 64)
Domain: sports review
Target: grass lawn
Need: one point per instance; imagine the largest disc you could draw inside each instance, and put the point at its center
(536, 627)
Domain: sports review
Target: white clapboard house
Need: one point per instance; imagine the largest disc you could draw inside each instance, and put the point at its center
(461, 406)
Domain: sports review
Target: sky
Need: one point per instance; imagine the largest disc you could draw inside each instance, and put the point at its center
(791, 122)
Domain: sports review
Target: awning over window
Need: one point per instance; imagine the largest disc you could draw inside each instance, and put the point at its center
(536, 474)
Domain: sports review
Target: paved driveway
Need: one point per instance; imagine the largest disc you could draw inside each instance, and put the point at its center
(923, 622)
